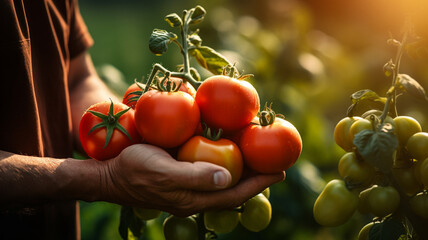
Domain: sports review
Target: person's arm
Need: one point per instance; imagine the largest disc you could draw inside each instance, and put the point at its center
(142, 175)
(85, 88)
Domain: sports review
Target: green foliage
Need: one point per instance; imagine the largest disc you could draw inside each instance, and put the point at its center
(209, 59)
(159, 41)
(387, 230)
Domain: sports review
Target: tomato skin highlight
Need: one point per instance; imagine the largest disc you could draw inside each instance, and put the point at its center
(272, 148)
(93, 143)
(166, 119)
(227, 103)
(222, 152)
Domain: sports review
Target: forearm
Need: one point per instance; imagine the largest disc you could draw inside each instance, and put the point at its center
(33, 180)
(85, 88)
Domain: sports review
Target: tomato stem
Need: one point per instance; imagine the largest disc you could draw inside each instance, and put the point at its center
(392, 93)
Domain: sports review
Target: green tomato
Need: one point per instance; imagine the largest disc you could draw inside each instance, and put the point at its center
(335, 205)
(406, 180)
(257, 213)
(341, 133)
(266, 192)
(359, 126)
(383, 200)
(177, 228)
(363, 207)
(365, 231)
(355, 171)
(405, 127)
(223, 221)
(419, 204)
(417, 145)
(145, 213)
(424, 173)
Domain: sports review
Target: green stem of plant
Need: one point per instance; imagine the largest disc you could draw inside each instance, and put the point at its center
(392, 95)
(184, 33)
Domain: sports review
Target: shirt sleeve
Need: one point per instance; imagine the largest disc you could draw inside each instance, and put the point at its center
(79, 38)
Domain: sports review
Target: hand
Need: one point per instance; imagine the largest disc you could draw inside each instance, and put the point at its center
(147, 176)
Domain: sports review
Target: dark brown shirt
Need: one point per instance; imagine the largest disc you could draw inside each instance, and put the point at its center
(37, 40)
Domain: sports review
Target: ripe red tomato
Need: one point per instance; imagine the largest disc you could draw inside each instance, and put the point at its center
(96, 142)
(166, 119)
(227, 103)
(222, 152)
(134, 92)
(271, 148)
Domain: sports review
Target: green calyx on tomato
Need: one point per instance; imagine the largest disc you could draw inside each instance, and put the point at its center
(267, 116)
(110, 121)
(168, 85)
(133, 93)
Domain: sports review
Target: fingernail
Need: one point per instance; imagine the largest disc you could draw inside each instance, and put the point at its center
(221, 179)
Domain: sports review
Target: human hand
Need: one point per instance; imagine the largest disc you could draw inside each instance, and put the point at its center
(147, 176)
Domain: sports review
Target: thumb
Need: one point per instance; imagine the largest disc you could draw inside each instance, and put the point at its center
(201, 176)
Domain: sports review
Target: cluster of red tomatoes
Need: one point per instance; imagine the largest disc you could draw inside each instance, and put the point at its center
(173, 114)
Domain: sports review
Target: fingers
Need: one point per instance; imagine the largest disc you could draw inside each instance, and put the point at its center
(237, 195)
(200, 176)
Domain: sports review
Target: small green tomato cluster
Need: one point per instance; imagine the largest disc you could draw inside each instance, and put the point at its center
(254, 215)
(365, 187)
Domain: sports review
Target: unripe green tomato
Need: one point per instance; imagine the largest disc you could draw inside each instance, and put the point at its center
(359, 126)
(266, 192)
(355, 171)
(417, 145)
(341, 133)
(378, 113)
(223, 221)
(177, 228)
(417, 171)
(406, 180)
(383, 200)
(335, 205)
(365, 231)
(419, 204)
(405, 127)
(363, 206)
(424, 173)
(257, 213)
(145, 213)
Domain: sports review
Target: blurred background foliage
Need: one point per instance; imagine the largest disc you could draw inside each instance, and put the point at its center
(307, 56)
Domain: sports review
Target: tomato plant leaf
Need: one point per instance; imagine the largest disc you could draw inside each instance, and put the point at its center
(365, 98)
(126, 215)
(377, 147)
(159, 41)
(388, 229)
(407, 84)
(197, 15)
(366, 94)
(130, 226)
(195, 39)
(173, 20)
(209, 59)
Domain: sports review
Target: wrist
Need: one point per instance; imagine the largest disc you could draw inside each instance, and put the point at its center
(82, 179)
